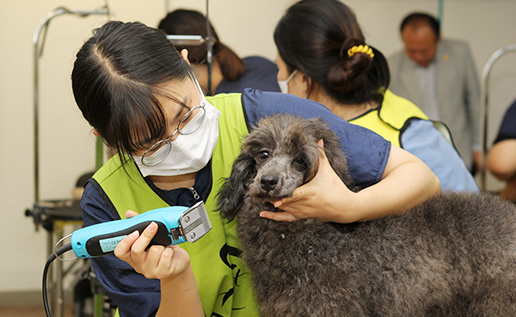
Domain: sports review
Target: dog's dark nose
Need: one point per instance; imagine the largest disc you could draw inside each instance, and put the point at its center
(268, 182)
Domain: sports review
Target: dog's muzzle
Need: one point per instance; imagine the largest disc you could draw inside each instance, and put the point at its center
(269, 182)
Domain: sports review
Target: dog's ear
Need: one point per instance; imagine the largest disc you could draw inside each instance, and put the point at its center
(333, 151)
(231, 197)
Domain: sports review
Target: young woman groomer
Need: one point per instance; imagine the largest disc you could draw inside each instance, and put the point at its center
(174, 148)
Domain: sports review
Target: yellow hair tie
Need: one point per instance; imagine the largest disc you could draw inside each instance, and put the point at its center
(360, 49)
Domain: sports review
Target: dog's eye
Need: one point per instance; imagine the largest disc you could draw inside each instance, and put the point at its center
(263, 155)
(299, 160)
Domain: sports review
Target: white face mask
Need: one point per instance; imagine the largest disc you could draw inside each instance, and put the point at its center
(283, 84)
(191, 152)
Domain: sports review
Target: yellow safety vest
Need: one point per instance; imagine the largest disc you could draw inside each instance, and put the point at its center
(224, 286)
(390, 118)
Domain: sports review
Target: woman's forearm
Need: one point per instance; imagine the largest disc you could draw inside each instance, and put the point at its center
(407, 183)
(180, 296)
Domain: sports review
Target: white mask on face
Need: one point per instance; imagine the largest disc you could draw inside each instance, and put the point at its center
(283, 84)
(191, 152)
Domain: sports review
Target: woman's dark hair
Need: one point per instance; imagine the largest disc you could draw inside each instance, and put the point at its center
(314, 36)
(189, 22)
(115, 78)
(422, 18)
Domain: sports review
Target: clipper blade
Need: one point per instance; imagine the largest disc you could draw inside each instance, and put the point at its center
(195, 222)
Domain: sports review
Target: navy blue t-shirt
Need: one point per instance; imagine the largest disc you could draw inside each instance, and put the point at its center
(260, 73)
(364, 149)
(138, 296)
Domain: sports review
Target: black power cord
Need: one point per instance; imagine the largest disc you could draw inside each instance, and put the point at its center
(51, 259)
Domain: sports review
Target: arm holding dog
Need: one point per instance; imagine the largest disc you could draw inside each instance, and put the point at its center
(406, 183)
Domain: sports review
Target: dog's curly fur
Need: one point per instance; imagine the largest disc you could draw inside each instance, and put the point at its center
(455, 255)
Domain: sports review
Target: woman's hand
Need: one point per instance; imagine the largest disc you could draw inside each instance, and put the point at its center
(315, 199)
(158, 261)
(170, 264)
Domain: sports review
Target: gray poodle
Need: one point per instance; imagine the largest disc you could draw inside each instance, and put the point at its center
(455, 255)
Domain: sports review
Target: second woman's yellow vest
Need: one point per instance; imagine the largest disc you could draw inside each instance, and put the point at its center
(390, 118)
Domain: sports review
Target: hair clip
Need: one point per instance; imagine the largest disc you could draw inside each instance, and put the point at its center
(361, 49)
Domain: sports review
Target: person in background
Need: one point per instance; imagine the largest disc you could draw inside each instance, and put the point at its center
(175, 147)
(501, 161)
(439, 76)
(332, 64)
(230, 73)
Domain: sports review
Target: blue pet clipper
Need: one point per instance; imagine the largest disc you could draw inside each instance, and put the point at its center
(176, 225)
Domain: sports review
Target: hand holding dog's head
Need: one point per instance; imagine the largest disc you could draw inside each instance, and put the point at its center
(278, 156)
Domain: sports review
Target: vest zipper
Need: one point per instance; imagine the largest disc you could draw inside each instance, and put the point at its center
(194, 193)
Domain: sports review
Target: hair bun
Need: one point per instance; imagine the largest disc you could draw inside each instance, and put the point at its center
(355, 59)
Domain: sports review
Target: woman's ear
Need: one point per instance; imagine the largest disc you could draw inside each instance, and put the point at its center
(305, 84)
(184, 55)
(96, 132)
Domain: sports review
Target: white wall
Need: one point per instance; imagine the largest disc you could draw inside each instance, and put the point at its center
(66, 142)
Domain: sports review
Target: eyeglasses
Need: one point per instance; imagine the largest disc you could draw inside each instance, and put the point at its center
(188, 124)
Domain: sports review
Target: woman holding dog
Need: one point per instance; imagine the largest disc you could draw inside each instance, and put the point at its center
(332, 64)
(175, 146)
